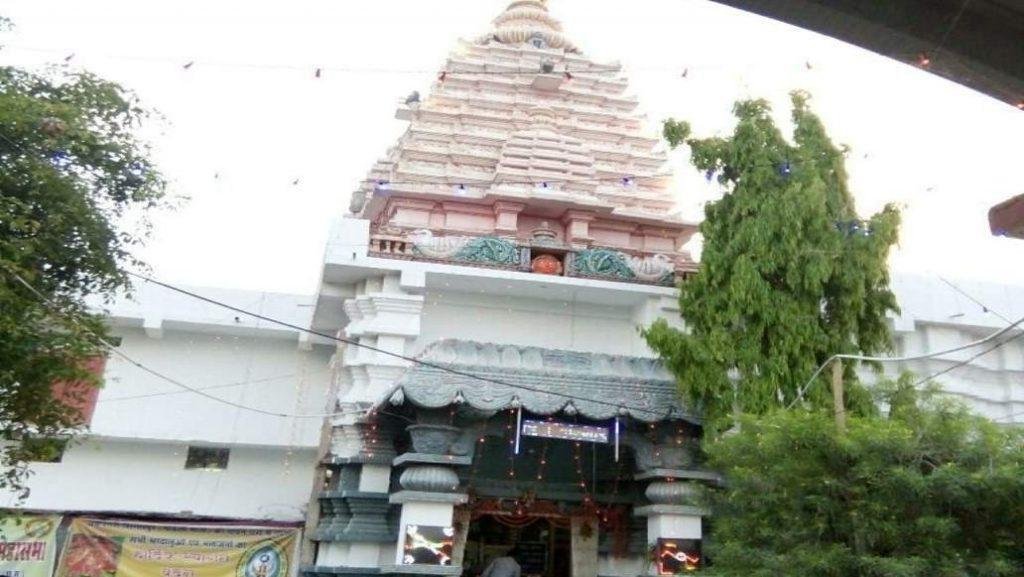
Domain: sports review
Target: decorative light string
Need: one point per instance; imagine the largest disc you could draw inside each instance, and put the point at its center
(454, 67)
(921, 59)
(542, 464)
(478, 453)
(511, 443)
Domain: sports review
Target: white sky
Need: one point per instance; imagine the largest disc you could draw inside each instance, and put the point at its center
(945, 152)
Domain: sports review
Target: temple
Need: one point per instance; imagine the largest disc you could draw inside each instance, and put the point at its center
(490, 282)
(475, 347)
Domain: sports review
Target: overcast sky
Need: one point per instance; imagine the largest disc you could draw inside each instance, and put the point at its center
(249, 117)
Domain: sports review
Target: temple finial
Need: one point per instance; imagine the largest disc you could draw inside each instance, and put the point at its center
(528, 22)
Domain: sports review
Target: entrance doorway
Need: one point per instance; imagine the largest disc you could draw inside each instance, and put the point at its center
(544, 544)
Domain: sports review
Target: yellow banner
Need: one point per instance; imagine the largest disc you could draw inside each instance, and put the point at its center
(28, 545)
(105, 548)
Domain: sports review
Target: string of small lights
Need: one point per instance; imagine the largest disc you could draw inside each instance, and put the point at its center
(923, 59)
(481, 444)
(511, 432)
(785, 168)
(542, 464)
(372, 426)
(320, 71)
(581, 479)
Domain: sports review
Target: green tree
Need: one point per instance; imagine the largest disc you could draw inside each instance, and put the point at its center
(929, 490)
(789, 274)
(71, 170)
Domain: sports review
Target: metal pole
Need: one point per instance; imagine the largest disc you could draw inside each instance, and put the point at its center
(519, 427)
(616, 439)
(837, 395)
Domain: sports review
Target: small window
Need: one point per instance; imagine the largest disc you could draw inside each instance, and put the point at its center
(44, 450)
(207, 458)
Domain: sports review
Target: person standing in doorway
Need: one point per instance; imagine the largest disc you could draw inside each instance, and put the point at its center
(504, 566)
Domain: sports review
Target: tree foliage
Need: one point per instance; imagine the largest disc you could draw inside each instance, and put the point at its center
(928, 490)
(789, 274)
(70, 168)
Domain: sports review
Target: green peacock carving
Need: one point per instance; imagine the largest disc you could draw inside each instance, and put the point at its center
(602, 262)
(489, 250)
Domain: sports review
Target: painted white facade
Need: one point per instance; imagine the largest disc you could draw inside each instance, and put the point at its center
(132, 459)
(150, 477)
(935, 316)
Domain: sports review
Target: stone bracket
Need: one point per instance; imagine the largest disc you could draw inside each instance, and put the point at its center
(695, 474)
(429, 459)
(649, 510)
(362, 459)
(355, 516)
(425, 497)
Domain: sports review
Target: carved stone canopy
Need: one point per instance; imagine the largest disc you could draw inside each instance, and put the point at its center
(492, 377)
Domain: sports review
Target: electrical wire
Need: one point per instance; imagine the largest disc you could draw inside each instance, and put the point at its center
(191, 63)
(211, 387)
(983, 306)
(967, 361)
(411, 360)
(952, 26)
(1008, 417)
(957, 365)
(811, 381)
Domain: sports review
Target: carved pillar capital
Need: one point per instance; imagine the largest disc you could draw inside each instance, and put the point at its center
(430, 479)
(577, 228)
(364, 442)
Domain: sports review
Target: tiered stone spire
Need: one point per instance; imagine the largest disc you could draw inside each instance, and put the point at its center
(521, 116)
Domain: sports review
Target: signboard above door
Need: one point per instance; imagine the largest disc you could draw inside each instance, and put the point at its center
(566, 431)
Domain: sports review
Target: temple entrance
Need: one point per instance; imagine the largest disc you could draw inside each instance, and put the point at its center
(544, 544)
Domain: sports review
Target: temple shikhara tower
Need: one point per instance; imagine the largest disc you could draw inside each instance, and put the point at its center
(493, 274)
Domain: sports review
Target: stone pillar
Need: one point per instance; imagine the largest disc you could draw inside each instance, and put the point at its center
(583, 532)
(430, 487)
(672, 490)
(673, 512)
(354, 530)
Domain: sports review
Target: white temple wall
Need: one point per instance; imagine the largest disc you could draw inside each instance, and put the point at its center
(133, 457)
(992, 385)
(531, 322)
(143, 477)
(935, 316)
(266, 373)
